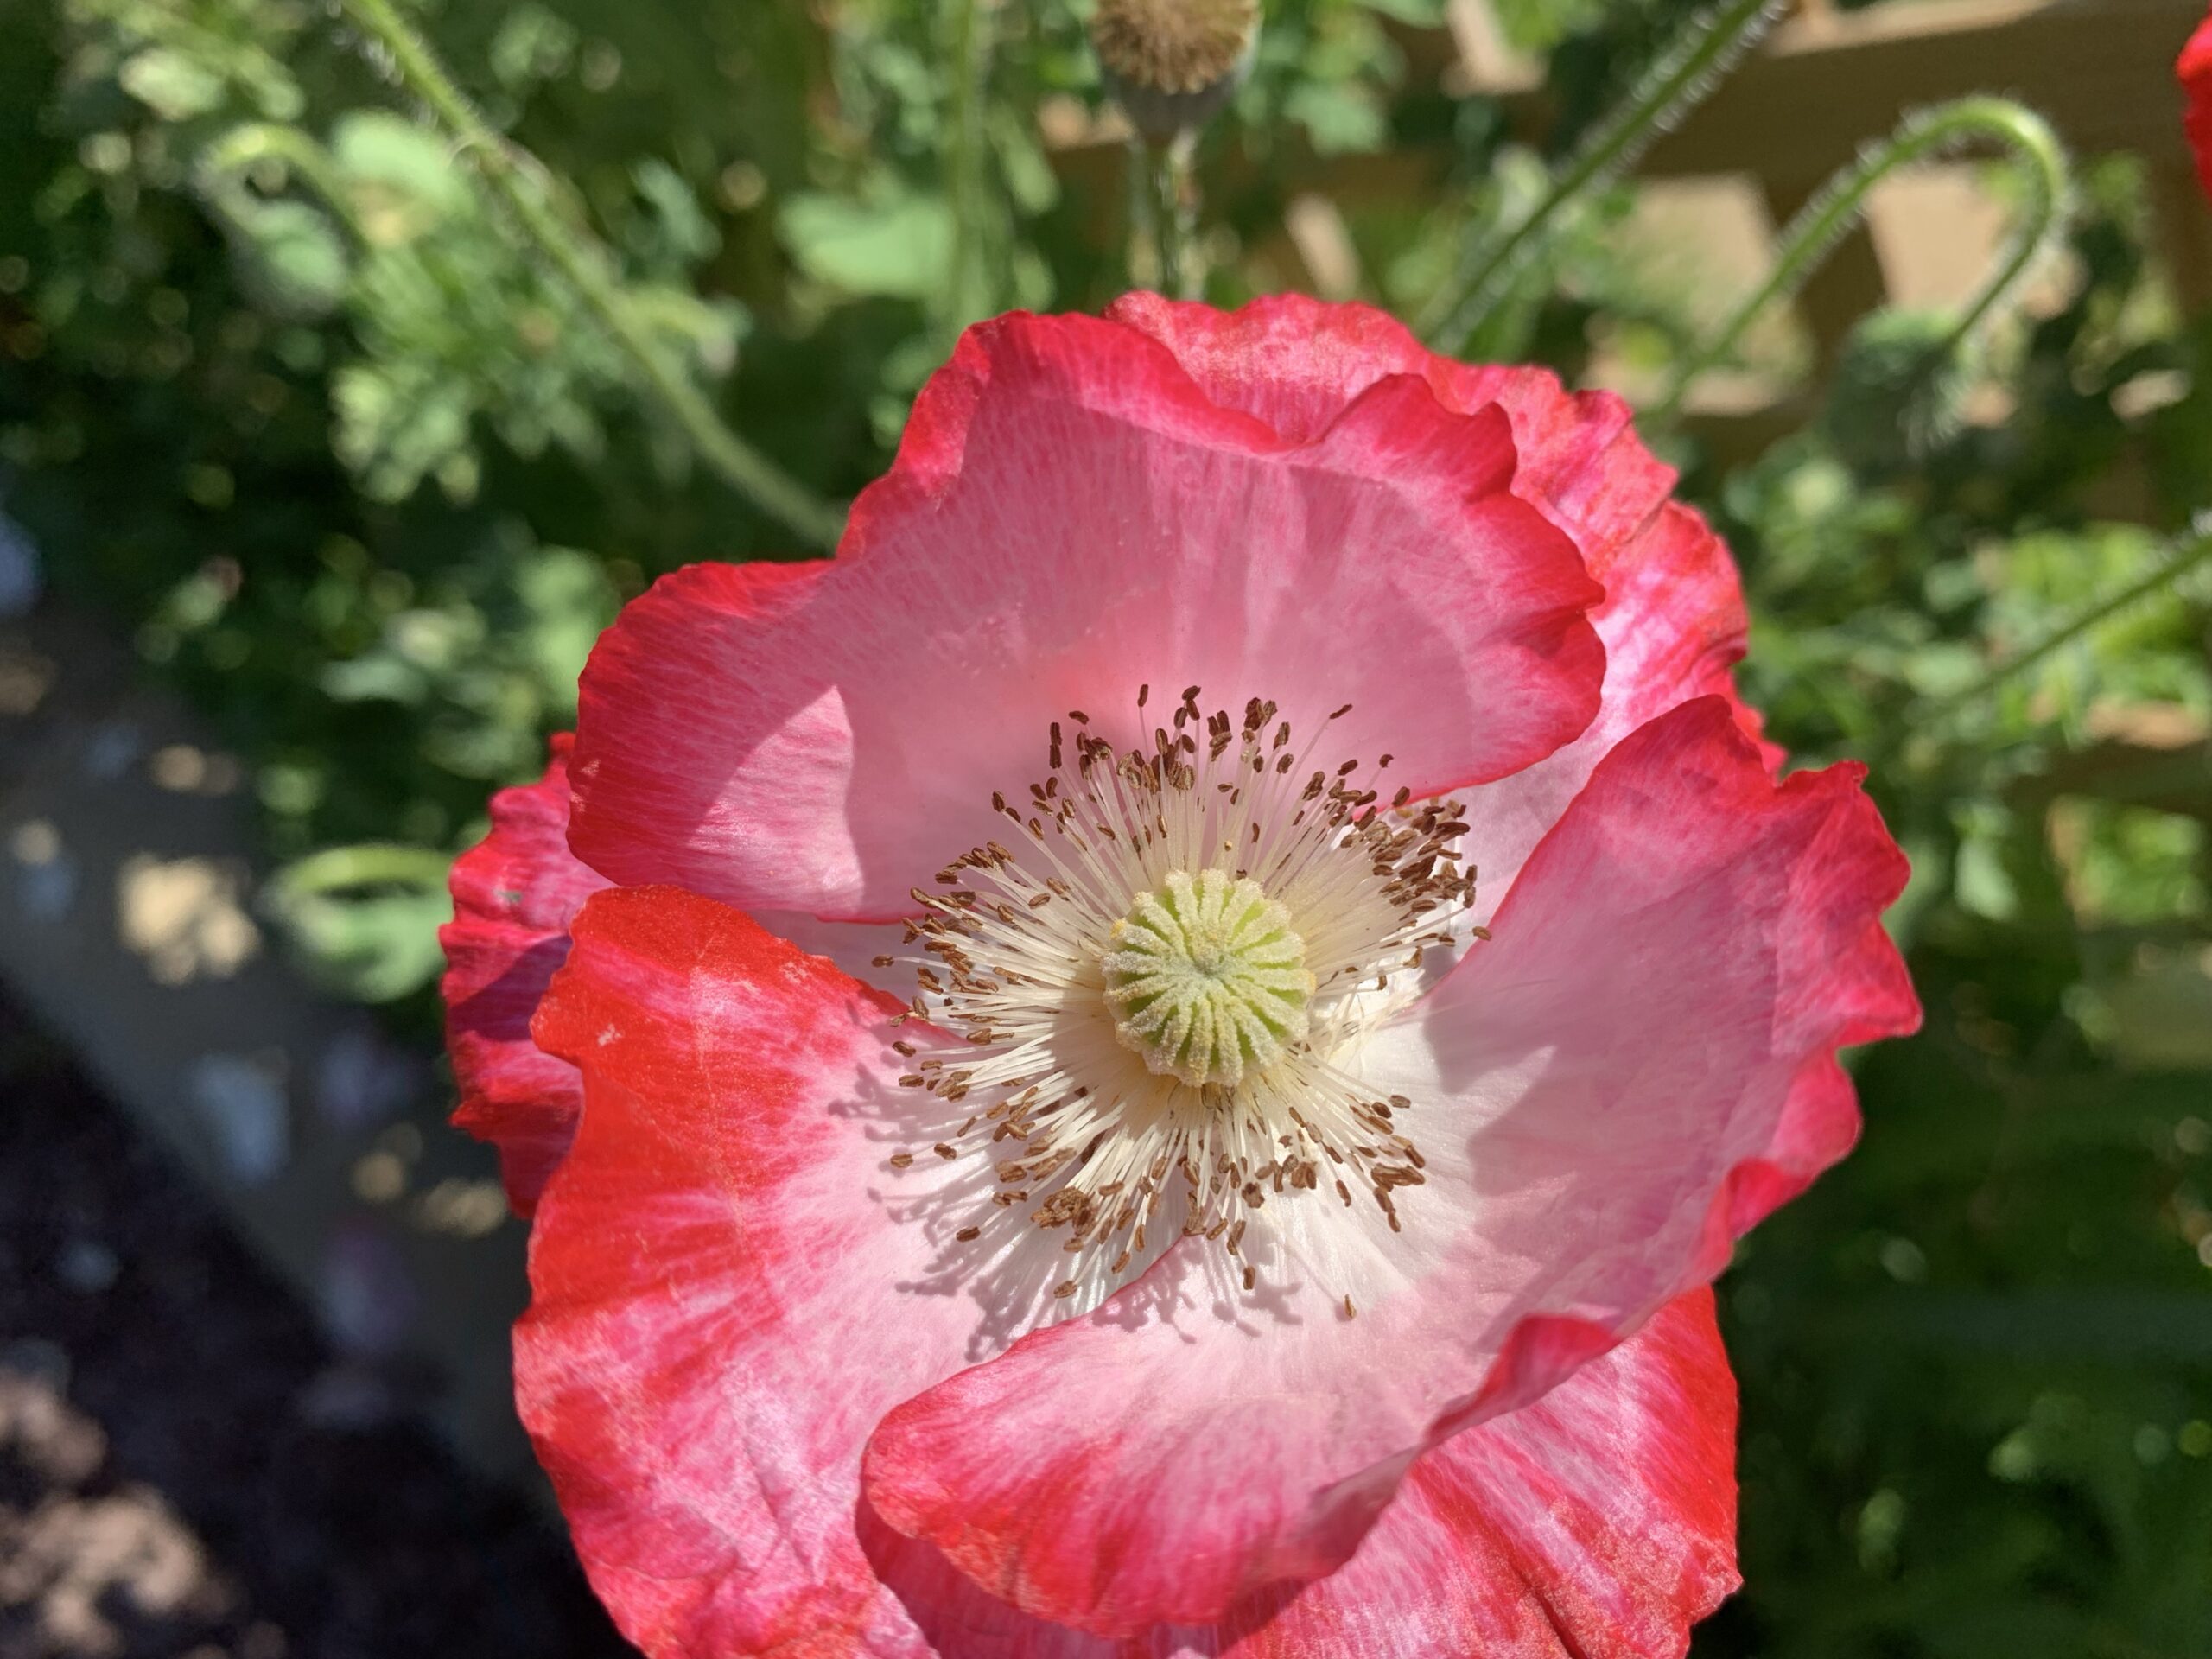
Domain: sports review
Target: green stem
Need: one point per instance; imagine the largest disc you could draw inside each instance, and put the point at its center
(2194, 551)
(1693, 65)
(1172, 182)
(517, 178)
(1144, 215)
(1822, 222)
(966, 298)
(368, 864)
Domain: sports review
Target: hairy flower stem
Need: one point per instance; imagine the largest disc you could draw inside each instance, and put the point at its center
(1811, 235)
(2177, 562)
(1162, 252)
(1682, 79)
(1172, 181)
(518, 179)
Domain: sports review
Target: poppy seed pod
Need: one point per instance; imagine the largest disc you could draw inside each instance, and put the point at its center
(1172, 64)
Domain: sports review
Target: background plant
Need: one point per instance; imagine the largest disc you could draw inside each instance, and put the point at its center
(291, 390)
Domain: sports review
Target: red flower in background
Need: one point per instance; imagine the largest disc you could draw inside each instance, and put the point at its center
(1157, 1057)
(2195, 70)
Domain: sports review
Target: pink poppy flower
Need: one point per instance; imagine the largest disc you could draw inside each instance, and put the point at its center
(1157, 1057)
(2194, 72)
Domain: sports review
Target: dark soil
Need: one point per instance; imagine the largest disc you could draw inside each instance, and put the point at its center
(186, 1469)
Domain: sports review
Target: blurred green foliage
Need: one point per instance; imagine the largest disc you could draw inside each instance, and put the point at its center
(283, 393)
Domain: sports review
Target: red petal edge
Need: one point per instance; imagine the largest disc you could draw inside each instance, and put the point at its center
(2194, 70)
(514, 894)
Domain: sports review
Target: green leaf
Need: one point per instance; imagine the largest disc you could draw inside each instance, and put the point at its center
(291, 257)
(569, 601)
(173, 86)
(365, 919)
(901, 249)
(406, 175)
(532, 45)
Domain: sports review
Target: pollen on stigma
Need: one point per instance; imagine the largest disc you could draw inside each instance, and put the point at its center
(1156, 987)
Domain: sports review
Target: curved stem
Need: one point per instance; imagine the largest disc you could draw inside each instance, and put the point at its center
(517, 178)
(222, 161)
(368, 864)
(1683, 78)
(2194, 550)
(1808, 237)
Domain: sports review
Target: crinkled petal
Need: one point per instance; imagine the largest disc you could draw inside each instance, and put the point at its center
(1638, 1067)
(1071, 518)
(514, 895)
(1673, 619)
(1597, 1523)
(2194, 72)
(1674, 626)
(726, 1295)
(1293, 362)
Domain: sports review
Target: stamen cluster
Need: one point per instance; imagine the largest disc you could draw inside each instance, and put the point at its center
(1155, 986)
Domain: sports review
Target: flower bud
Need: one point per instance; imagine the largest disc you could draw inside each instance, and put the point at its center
(1172, 64)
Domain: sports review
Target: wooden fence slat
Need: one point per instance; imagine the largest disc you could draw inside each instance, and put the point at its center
(2101, 70)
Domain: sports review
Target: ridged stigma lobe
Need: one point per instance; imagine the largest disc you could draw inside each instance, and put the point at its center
(1206, 979)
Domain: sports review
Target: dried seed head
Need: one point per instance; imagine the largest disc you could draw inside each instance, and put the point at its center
(1172, 64)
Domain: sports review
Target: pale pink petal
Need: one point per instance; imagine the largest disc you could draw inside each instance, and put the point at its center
(514, 895)
(1293, 362)
(1597, 1523)
(1639, 1065)
(1674, 626)
(1673, 619)
(1071, 519)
